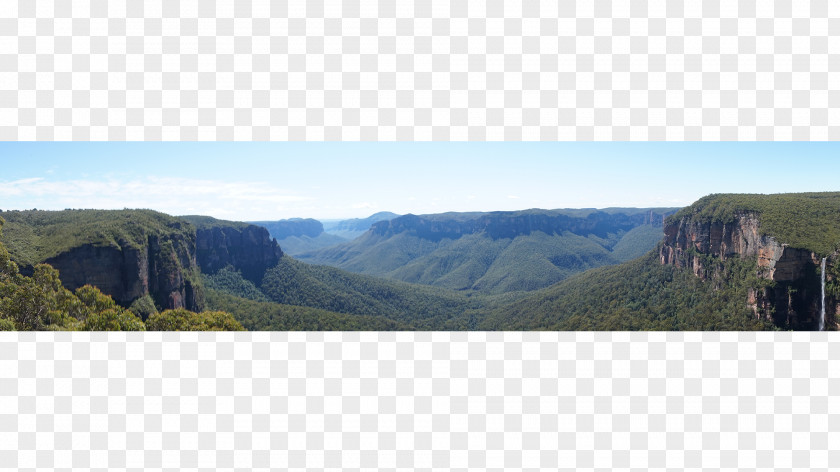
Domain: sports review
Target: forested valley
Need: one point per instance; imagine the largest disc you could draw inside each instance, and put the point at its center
(704, 267)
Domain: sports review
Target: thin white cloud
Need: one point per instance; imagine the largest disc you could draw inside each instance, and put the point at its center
(17, 187)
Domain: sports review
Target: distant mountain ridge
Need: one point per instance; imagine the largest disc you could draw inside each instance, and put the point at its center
(499, 251)
(295, 227)
(301, 235)
(505, 224)
(355, 227)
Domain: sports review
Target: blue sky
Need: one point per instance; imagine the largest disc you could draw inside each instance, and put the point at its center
(250, 181)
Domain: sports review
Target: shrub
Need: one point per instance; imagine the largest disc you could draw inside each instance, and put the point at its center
(181, 319)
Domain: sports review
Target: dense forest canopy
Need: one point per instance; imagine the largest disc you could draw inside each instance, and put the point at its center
(497, 252)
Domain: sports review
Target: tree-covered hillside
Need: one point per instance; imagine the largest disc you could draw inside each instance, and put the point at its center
(230, 281)
(637, 242)
(497, 252)
(300, 297)
(421, 307)
(268, 316)
(639, 295)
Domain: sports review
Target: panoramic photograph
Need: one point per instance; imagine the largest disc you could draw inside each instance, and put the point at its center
(419, 236)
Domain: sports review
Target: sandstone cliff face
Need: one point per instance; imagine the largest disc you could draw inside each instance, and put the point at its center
(250, 250)
(166, 266)
(794, 298)
(160, 268)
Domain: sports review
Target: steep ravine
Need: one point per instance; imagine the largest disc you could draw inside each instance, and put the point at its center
(792, 295)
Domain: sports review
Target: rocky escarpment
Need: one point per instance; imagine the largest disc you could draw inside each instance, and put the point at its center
(247, 248)
(131, 254)
(167, 266)
(501, 225)
(164, 267)
(791, 295)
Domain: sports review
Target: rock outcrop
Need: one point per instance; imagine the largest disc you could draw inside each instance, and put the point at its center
(792, 299)
(248, 249)
(167, 266)
(131, 254)
(163, 268)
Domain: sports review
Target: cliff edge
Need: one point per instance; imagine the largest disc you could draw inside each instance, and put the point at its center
(247, 247)
(127, 254)
(787, 260)
(131, 254)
